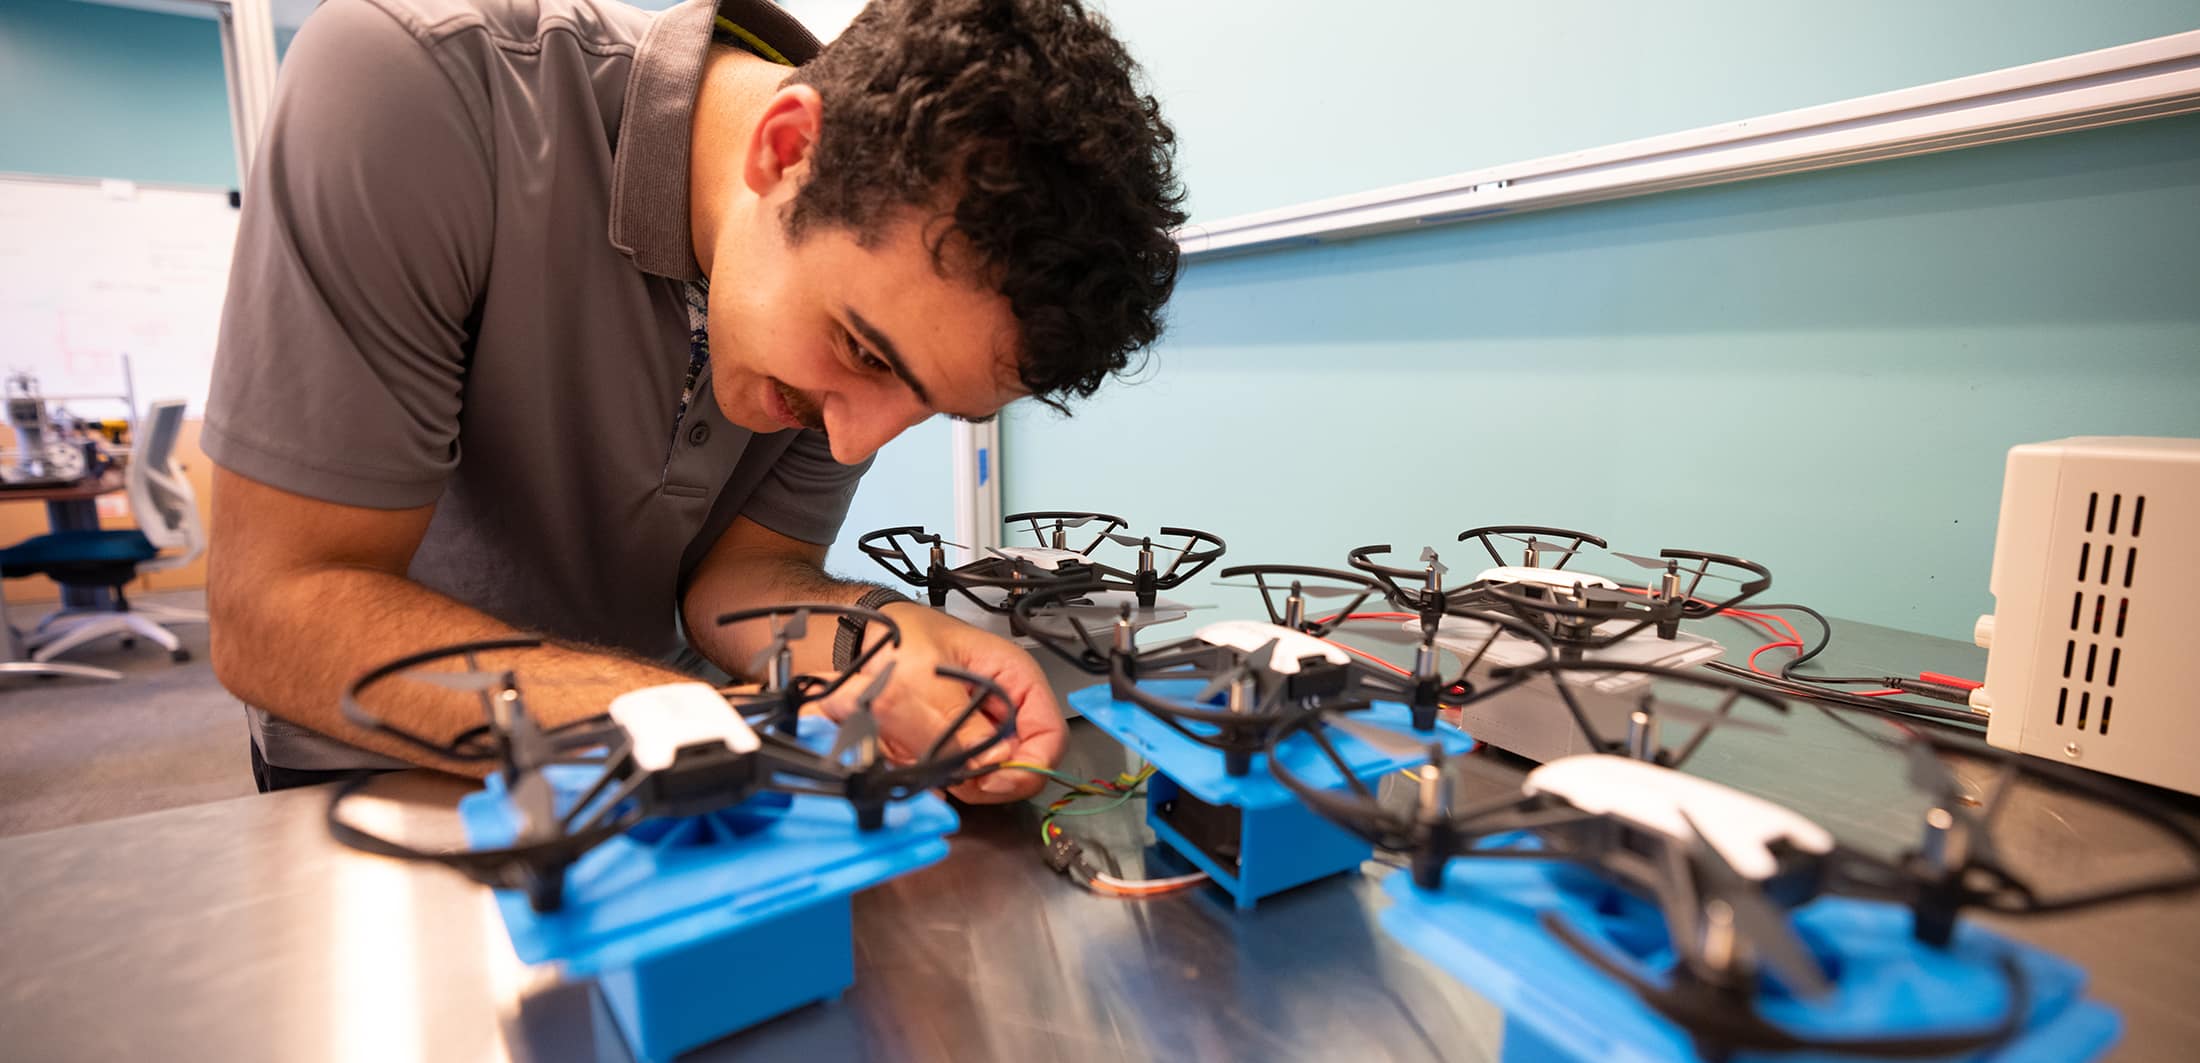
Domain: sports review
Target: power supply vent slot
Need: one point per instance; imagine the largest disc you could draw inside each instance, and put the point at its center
(2093, 655)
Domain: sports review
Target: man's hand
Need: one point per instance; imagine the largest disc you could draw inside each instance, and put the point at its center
(752, 566)
(917, 704)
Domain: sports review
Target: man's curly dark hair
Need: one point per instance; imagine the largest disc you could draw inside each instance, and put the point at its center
(1026, 114)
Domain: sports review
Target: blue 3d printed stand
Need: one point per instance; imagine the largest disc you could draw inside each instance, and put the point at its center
(1482, 929)
(1247, 832)
(696, 928)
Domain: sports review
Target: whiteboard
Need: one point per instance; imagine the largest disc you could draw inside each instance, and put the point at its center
(93, 270)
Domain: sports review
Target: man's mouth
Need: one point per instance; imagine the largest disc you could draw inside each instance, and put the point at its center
(792, 409)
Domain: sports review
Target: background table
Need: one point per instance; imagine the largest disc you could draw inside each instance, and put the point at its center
(68, 507)
(72, 507)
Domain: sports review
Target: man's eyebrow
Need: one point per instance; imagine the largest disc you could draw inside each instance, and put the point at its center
(885, 347)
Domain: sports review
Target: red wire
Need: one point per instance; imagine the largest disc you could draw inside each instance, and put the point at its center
(1364, 653)
(1794, 640)
(1370, 656)
(1371, 616)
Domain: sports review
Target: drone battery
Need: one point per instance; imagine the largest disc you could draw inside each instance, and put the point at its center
(1530, 720)
(721, 922)
(1483, 928)
(1247, 832)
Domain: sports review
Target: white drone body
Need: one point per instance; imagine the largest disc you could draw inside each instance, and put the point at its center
(1557, 579)
(1049, 558)
(1741, 827)
(661, 721)
(1248, 636)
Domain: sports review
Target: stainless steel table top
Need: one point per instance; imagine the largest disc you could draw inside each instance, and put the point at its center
(239, 931)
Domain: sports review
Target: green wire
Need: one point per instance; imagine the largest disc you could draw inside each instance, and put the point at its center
(1072, 782)
(1046, 822)
(1109, 807)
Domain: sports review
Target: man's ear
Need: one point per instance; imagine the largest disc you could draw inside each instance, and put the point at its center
(779, 147)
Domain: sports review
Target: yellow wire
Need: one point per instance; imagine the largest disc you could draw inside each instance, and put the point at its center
(754, 42)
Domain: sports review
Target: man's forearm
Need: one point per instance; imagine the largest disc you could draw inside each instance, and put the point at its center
(760, 581)
(290, 645)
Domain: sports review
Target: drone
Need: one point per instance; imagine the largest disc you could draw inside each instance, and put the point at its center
(665, 754)
(1577, 610)
(1063, 552)
(1695, 886)
(1253, 677)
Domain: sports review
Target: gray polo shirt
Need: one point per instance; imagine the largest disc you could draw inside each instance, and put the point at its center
(464, 276)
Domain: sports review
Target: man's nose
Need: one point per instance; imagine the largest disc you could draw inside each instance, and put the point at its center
(859, 425)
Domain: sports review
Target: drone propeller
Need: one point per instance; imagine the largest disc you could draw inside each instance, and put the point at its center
(1458, 770)
(1393, 634)
(1144, 543)
(859, 729)
(538, 815)
(1536, 540)
(783, 634)
(1315, 591)
(1428, 558)
(1141, 615)
(927, 539)
(1023, 566)
(1381, 739)
(1754, 917)
(1674, 564)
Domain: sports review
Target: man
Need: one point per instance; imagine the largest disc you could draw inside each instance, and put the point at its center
(564, 318)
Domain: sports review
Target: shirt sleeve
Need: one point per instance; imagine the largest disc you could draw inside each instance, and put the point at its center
(362, 246)
(806, 494)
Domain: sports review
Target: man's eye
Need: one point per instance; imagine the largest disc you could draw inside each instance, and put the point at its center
(862, 358)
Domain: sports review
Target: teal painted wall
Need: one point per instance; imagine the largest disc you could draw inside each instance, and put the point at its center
(1822, 372)
(1288, 100)
(98, 91)
(912, 482)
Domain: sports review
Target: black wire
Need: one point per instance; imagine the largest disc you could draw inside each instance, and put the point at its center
(1883, 706)
(1825, 639)
(1811, 687)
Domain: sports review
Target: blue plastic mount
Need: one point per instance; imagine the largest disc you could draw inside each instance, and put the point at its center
(1482, 928)
(1247, 832)
(696, 928)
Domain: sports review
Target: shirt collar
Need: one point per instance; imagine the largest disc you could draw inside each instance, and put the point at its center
(649, 176)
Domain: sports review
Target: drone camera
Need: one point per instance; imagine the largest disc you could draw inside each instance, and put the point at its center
(1317, 678)
(703, 777)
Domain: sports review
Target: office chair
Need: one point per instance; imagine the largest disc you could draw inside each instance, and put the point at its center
(168, 519)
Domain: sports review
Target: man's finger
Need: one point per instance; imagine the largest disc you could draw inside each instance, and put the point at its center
(1040, 734)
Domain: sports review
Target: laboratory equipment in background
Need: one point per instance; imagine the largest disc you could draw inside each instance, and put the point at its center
(2096, 566)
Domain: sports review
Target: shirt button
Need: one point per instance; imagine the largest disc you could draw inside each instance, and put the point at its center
(699, 434)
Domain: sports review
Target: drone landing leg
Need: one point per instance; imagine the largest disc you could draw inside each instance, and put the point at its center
(1430, 858)
(1237, 762)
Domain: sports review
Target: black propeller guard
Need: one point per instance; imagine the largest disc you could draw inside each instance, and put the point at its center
(701, 779)
(1190, 551)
